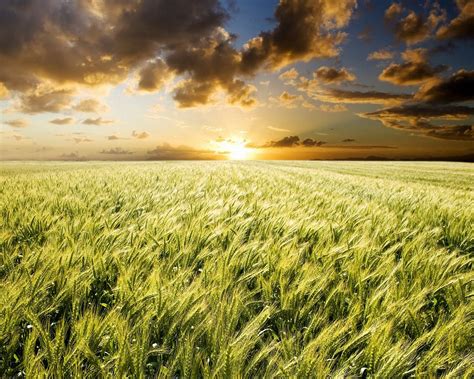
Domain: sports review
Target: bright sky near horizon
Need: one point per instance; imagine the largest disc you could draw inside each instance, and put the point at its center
(243, 79)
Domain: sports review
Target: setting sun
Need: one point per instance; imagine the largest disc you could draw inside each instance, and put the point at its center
(235, 150)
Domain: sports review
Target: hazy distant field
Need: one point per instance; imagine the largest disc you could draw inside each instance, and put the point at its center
(226, 269)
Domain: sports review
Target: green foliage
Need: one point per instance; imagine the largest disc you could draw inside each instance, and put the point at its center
(236, 269)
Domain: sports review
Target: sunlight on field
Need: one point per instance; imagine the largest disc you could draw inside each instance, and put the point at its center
(236, 269)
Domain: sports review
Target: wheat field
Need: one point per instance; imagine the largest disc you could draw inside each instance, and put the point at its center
(237, 269)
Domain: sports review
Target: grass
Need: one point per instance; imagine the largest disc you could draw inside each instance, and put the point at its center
(236, 269)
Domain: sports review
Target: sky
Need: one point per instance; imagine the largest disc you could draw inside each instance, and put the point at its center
(236, 79)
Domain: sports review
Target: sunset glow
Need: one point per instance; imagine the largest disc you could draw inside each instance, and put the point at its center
(235, 150)
(296, 79)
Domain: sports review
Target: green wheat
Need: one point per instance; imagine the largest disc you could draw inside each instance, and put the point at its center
(236, 269)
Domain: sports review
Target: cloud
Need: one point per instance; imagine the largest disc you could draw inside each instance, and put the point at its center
(4, 93)
(140, 135)
(287, 100)
(17, 123)
(330, 75)
(381, 55)
(292, 141)
(413, 28)
(360, 147)
(190, 94)
(116, 151)
(393, 11)
(305, 85)
(43, 99)
(153, 76)
(306, 29)
(419, 118)
(92, 43)
(347, 140)
(97, 121)
(461, 27)
(110, 37)
(241, 94)
(90, 106)
(114, 137)
(423, 112)
(333, 108)
(289, 75)
(81, 139)
(210, 66)
(457, 88)
(357, 97)
(62, 121)
(309, 142)
(415, 70)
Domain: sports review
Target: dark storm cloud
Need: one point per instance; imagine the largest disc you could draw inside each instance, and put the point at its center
(331, 75)
(210, 66)
(295, 141)
(90, 42)
(420, 118)
(153, 76)
(415, 70)
(85, 42)
(461, 27)
(411, 27)
(360, 147)
(190, 94)
(357, 97)
(306, 29)
(452, 132)
(457, 88)
(424, 111)
(292, 141)
(152, 24)
(309, 142)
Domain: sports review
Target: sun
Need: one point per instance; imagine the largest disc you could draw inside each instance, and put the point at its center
(235, 150)
(238, 153)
